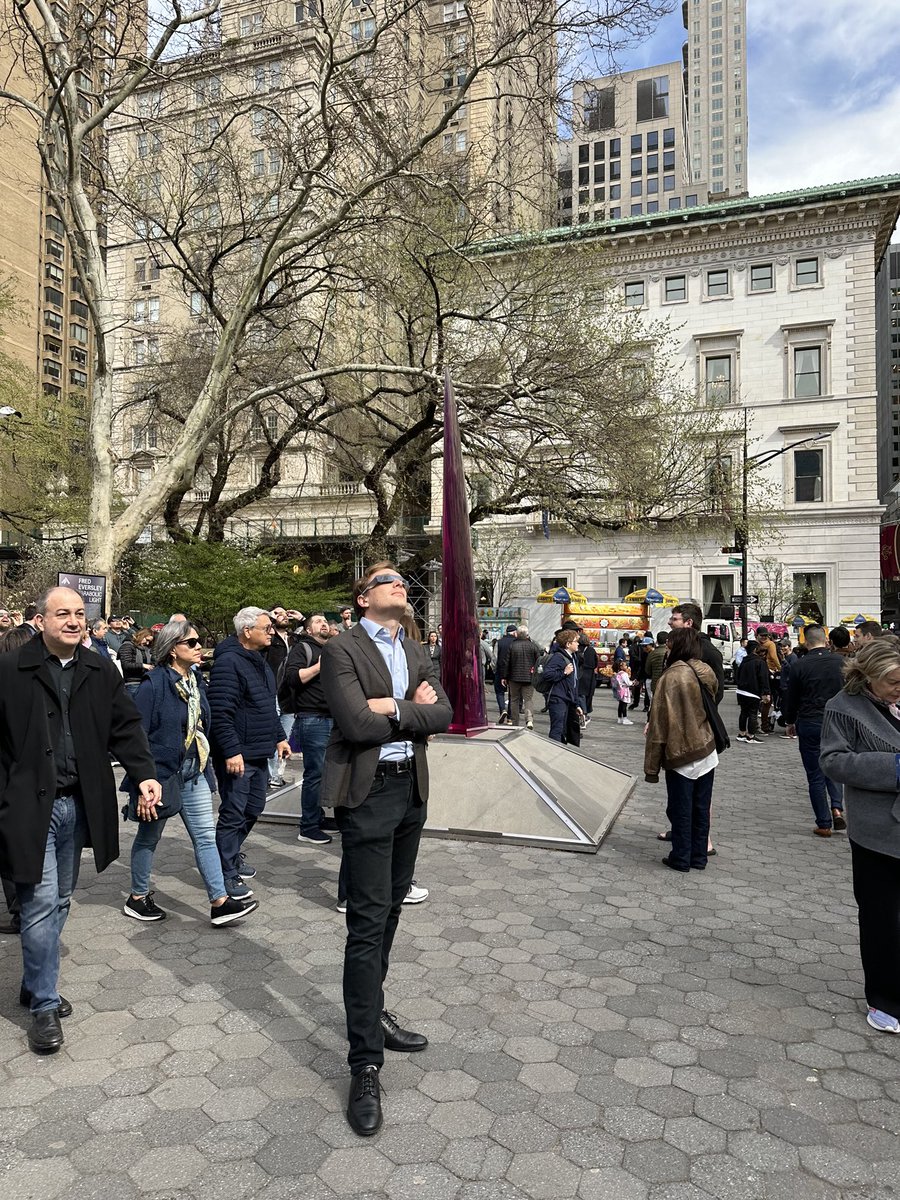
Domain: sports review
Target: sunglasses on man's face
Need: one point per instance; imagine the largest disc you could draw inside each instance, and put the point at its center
(192, 643)
(380, 579)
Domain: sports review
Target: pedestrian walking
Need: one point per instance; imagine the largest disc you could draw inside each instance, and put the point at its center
(175, 713)
(520, 664)
(246, 732)
(64, 714)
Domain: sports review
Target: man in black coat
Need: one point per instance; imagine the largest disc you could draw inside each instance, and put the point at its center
(63, 712)
(691, 616)
(500, 670)
(385, 700)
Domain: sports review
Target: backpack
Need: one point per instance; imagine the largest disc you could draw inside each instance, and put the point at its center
(284, 687)
(620, 692)
(541, 684)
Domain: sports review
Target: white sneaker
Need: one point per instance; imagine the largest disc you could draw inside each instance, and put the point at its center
(529, 724)
(415, 895)
(341, 906)
(625, 721)
(882, 1021)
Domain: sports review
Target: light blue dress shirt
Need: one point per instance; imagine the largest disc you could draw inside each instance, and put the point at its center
(391, 650)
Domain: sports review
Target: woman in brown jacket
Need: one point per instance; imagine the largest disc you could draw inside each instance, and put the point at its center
(680, 741)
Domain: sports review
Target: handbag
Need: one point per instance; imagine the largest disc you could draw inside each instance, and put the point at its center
(716, 724)
(171, 800)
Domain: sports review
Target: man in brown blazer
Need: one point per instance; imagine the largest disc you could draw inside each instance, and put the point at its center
(385, 699)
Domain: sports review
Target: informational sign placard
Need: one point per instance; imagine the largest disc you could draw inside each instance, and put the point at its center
(92, 589)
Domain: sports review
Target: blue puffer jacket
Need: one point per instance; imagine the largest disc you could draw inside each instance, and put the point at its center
(164, 715)
(242, 699)
(564, 686)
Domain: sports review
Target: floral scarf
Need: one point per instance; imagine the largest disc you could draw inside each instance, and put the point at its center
(189, 690)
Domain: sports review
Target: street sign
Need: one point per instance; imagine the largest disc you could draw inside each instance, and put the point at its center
(751, 600)
(735, 562)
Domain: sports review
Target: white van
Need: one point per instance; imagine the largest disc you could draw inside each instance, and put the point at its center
(726, 637)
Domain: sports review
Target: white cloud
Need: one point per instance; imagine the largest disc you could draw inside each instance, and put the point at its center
(808, 150)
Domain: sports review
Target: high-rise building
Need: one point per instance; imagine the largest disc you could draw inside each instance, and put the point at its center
(715, 85)
(629, 154)
(664, 137)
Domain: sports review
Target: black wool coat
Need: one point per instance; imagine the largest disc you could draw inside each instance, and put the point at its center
(104, 722)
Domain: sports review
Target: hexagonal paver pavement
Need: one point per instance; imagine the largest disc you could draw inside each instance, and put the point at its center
(599, 1028)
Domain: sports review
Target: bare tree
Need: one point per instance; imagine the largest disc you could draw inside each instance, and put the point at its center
(371, 110)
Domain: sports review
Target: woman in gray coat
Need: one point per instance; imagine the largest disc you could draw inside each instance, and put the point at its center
(861, 750)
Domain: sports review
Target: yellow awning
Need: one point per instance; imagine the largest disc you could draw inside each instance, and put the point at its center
(640, 597)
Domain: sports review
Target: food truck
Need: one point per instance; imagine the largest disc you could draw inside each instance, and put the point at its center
(605, 621)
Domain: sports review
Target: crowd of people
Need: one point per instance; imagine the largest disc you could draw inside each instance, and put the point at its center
(359, 699)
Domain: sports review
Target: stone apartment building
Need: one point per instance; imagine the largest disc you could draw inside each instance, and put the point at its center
(202, 144)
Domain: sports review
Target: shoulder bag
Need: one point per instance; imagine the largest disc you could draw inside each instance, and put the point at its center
(716, 724)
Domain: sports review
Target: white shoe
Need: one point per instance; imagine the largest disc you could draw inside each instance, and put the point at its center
(529, 724)
(618, 720)
(341, 906)
(625, 721)
(415, 895)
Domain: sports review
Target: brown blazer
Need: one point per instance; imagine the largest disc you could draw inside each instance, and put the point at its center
(354, 672)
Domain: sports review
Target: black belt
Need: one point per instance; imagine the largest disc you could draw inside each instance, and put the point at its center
(395, 768)
(73, 789)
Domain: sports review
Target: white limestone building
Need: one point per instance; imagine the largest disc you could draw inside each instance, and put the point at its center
(771, 300)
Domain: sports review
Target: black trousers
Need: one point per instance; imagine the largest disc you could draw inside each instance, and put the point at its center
(747, 721)
(876, 886)
(379, 841)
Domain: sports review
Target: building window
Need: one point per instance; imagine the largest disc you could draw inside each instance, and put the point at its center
(599, 150)
(762, 277)
(637, 143)
(668, 183)
(718, 378)
(809, 595)
(599, 173)
(809, 466)
(652, 187)
(637, 188)
(634, 293)
(807, 371)
(653, 98)
(806, 272)
(78, 333)
(454, 143)
(717, 282)
(637, 166)
(637, 210)
(53, 320)
(146, 309)
(675, 288)
(52, 271)
(251, 24)
(653, 141)
(599, 109)
(144, 437)
(630, 583)
(807, 350)
(362, 31)
(455, 11)
(652, 164)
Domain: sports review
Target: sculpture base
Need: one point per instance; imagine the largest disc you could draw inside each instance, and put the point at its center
(508, 785)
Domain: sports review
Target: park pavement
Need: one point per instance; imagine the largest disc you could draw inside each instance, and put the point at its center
(600, 1027)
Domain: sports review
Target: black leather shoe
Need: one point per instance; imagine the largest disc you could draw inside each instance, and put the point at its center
(396, 1038)
(364, 1105)
(45, 1035)
(11, 924)
(64, 1010)
(667, 862)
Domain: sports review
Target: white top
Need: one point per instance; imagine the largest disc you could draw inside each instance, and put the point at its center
(698, 769)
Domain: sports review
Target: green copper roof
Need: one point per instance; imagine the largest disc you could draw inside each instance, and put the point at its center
(745, 206)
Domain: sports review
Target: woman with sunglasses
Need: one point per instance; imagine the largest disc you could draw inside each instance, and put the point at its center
(175, 711)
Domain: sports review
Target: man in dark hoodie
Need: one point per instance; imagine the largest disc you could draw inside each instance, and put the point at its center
(246, 732)
(500, 673)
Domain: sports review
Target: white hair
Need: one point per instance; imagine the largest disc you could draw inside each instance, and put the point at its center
(522, 631)
(247, 618)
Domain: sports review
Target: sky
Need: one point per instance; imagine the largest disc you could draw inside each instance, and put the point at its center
(823, 86)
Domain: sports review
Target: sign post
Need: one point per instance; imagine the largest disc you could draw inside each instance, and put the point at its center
(92, 589)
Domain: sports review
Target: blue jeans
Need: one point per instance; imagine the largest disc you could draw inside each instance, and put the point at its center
(688, 812)
(196, 813)
(243, 798)
(500, 693)
(311, 732)
(45, 905)
(824, 793)
(287, 720)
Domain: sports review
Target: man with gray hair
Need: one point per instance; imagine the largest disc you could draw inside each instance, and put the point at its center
(246, 732)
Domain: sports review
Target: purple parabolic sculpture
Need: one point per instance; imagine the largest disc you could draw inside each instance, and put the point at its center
(460, 651)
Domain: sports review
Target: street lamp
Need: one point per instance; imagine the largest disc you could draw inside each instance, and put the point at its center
(741, 536)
